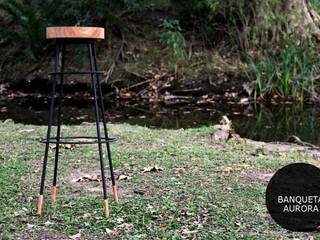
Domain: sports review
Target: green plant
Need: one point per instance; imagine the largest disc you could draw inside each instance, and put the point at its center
(290, 72)
(173, 38)
(29, 29)
(257, 71)
(31, 17)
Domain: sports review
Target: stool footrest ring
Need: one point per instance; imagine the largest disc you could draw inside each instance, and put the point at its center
(79, 140)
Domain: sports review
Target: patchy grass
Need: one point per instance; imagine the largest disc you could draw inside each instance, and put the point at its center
(205, 190)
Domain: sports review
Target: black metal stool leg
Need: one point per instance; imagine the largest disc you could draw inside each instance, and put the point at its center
(96, 110)
(45, 159)
(56, 159)
(114, 187)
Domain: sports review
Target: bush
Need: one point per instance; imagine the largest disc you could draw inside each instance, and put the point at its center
(30, 18)
(173, 38)
(290, 72)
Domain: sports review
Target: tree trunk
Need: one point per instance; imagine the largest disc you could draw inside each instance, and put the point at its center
(303, 19)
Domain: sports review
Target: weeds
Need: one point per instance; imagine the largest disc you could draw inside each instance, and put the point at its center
(173, 38)
(289, 73)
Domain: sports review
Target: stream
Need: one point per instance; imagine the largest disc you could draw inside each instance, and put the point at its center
(255, 121)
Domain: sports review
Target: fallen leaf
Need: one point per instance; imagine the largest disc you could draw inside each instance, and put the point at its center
(152, 169)
(140, 192)
(120, 220)
(47, 223)
(30, 226)
(25, 130)
(89, 178)
(179, 170)
(227, 171)
(157, 76)
(238, 224)
(124, 177)
(86, 215)
(76, 236)
(187, 232)
(125, 226)
(65, 146)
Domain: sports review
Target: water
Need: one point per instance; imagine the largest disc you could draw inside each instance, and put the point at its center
(258, 122)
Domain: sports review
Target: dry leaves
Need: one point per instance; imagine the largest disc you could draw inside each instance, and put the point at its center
(120, 228)
(76, 236)
(25, 130)
(123, 177)
(180, 170)
(139, 191)
(89, 178)
(227, 171)
(65, 146)
(97, 178)
(152, 169)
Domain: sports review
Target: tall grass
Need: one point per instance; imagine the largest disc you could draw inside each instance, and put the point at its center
(288, 73)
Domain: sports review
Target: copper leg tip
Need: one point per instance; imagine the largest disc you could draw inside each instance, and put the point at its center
(54, 194)
(115, 194)
(40, 205)
(106, 208)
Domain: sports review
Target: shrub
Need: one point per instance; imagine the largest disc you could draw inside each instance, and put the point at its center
(290, 72)
(30, 18)
(173, 38)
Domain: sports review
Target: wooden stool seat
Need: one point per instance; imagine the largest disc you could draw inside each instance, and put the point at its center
(75, 32)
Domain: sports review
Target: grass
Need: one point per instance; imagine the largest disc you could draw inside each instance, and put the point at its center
(194, 197)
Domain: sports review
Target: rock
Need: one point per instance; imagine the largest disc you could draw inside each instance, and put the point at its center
(8, 121)
(220, 133)
(296, 140)
(223, 131)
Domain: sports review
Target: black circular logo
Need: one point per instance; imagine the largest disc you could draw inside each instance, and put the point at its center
(293, 197)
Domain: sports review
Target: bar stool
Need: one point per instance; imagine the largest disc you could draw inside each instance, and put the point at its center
(62, 37)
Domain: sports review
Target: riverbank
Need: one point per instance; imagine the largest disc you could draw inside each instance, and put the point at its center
(172, 184)
(132, 67)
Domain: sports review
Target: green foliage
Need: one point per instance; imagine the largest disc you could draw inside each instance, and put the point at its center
(30, 18)
(315, 5)
(29, 26)
(196, 8)
(289, 72)
(173, 38)
(283, 62)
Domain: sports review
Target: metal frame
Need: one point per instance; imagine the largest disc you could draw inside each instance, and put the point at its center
(99, 111)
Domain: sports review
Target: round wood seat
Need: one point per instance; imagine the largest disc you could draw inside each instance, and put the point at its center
(75, 32)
